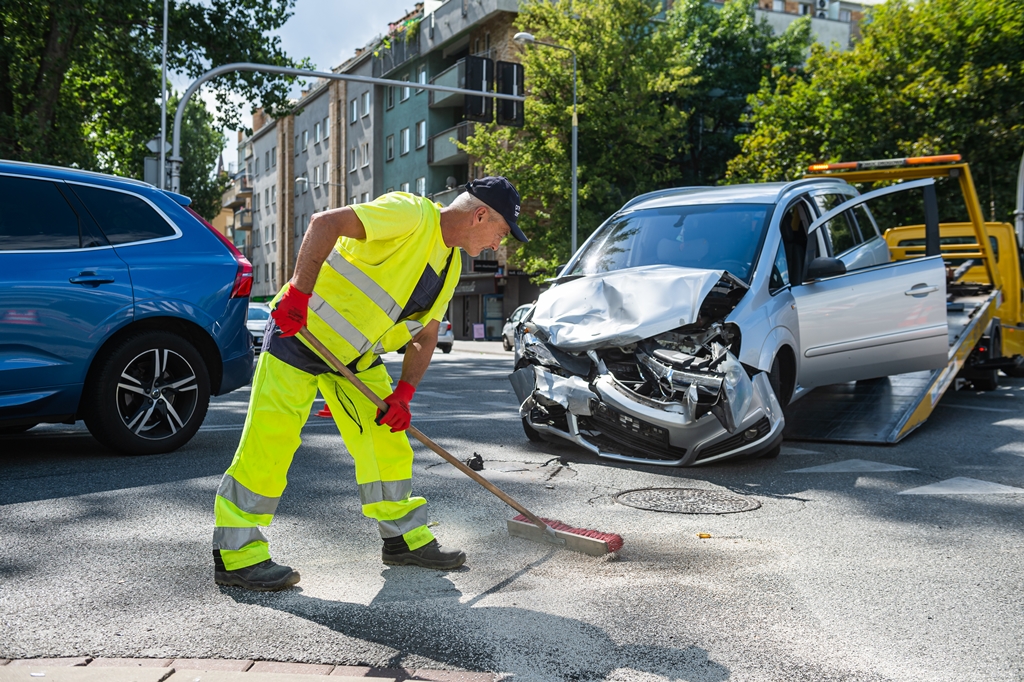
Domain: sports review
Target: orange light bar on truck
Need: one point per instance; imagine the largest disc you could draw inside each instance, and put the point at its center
(884, 163)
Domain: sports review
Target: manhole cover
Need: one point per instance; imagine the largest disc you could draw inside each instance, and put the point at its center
(686, 501)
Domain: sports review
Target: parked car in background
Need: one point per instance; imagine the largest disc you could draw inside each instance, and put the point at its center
(119, 306)
(509, 330)
(692, 316)
(256, 323)
(445, 338)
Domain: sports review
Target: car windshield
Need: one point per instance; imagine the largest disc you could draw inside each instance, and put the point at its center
(711, 237)
(258, 313)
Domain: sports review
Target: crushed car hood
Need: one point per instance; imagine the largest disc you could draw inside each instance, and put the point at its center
(622, 307)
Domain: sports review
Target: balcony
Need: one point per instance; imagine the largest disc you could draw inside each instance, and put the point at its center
(243, 219)
(447, 196)
(442, 149)
(240, 190)
(452, 77)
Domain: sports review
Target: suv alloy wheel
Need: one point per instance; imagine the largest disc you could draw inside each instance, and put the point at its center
(149, 394)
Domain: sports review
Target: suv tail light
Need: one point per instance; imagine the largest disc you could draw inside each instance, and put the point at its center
(243, 276)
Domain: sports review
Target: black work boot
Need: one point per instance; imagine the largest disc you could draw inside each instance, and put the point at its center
(265, 576)
(429, 555)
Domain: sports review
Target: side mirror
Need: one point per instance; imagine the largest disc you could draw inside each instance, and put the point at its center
(558, 270)
(822, 267)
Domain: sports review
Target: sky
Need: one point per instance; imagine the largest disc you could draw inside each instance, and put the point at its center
(326, 31)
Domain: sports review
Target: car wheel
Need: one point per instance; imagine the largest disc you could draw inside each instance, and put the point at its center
(532, 433)
(12, 430)
(505, 343)
(445, 348)
(148, 394)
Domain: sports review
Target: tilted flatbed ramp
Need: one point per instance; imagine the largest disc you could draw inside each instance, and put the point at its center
(886, 410)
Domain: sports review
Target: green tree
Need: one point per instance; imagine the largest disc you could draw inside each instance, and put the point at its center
(201, 144)
(929, 77)
(630, 79)
(80, 79)
(660, 102)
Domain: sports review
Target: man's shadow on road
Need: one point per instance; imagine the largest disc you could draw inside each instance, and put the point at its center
(420, 613)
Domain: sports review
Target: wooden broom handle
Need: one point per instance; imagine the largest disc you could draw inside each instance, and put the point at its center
(450, 458)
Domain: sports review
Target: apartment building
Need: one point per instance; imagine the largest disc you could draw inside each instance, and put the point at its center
(362, 181)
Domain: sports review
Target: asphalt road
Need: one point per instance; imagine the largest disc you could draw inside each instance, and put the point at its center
(836, 576)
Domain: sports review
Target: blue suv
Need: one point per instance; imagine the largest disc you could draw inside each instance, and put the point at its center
(119, 305)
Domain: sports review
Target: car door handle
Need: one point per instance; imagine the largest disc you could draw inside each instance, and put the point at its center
(91, 279)
(920, 290)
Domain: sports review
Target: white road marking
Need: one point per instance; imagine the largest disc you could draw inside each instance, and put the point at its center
(786, 450)
(851, 466)
(963, 486)
(975, 407)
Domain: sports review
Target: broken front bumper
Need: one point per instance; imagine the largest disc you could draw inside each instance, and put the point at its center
(613, 422)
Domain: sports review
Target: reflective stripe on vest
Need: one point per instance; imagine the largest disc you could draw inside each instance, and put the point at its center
(236, 538)
(245, 499)
(365, 284)
(339, 324)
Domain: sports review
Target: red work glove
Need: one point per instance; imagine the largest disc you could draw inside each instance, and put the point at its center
(397, 416)
(290, 313)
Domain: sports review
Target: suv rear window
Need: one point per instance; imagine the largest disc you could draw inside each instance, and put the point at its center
(35, 216)
(124, 218)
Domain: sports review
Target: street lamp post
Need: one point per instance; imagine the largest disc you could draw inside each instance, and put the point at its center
(163, 107)
(528, 39)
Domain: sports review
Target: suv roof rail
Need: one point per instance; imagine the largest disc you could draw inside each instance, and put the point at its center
(77, 171)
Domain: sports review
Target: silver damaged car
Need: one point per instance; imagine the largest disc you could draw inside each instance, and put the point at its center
(691, 317)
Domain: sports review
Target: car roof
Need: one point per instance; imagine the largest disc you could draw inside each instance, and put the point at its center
(62, 173)
(756, 193)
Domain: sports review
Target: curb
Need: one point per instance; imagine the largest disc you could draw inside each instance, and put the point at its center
(89, 669)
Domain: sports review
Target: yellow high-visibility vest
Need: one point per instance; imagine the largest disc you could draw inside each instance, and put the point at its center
(365, 291)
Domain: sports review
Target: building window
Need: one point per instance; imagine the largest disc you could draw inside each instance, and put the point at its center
(364, 198)
(366, 103)
(316, 134)
(353, 111)
(352, 160)
(366, 154)
(305, 185)
(325, 174)
(266, 272)
(297, 227)
(352, 200)
(273, 196)
(327, 128)
(303, 222)
(256, 237)
(266, 198)
(404, 187)
(257, 171)
(256, 203)
(389, 148)
(421, 186)
(405, 88)
(305, 140)
(421, 77)
(405, 142)
(845, 15)
(316, 176)
(296, 144)
(273, 274)
(391, 97)
(273, 157)
(390, 189)
(421, 134)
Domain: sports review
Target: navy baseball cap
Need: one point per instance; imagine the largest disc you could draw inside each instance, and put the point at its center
(498, 193)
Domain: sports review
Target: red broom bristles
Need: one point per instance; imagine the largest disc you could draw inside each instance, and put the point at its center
(613, 541)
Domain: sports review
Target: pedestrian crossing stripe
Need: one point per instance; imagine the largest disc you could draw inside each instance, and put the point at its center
(852, 466)
(963, 486)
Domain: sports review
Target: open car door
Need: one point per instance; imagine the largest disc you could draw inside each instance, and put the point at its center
(878, 320)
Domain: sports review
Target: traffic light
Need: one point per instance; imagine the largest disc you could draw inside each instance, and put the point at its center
(479, 76)
(510, 82)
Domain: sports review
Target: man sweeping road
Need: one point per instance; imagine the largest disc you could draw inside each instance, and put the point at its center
(369, 279)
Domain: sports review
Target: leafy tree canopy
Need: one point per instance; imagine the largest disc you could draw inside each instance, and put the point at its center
(80, 79)
(929, 77)
(201, 144)
(659, 100)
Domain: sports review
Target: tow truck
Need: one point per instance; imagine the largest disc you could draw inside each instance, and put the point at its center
(985, 313)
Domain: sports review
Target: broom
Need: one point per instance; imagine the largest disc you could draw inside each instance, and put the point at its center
(557, 533)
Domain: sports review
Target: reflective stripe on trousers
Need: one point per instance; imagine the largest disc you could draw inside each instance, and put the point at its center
(279, 406)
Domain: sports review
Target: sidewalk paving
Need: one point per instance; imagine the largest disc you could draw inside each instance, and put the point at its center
(87, 669)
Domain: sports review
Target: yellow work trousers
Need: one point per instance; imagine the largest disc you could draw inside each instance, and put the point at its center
(279, 406)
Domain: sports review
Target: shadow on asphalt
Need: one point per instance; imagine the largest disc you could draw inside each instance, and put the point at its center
(421, 613)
